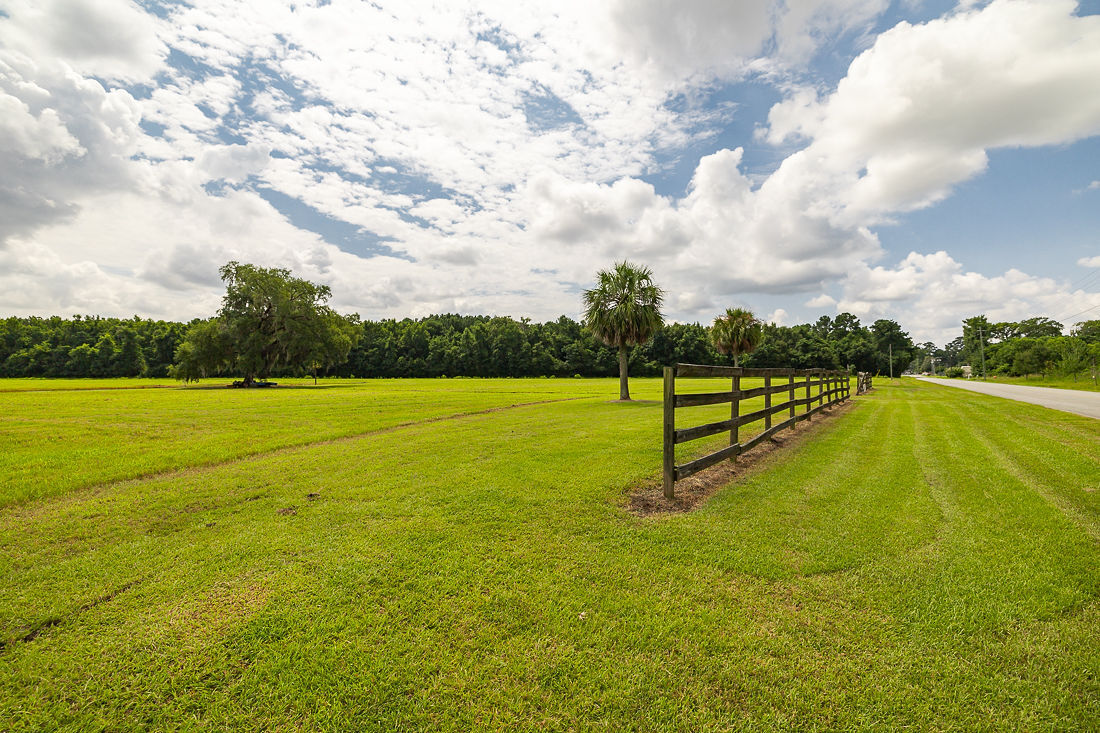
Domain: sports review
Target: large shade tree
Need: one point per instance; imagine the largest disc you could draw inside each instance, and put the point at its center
(738, 332)
(623, 310)
(268, 320)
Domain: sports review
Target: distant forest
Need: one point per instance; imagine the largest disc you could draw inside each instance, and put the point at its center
(449, 345)
(484, 346)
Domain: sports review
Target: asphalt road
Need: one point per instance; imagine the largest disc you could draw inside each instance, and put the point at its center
(1067, 400)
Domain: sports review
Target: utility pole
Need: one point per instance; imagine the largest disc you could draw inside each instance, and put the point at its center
(891, 361)
(981, 338)
(933, 365)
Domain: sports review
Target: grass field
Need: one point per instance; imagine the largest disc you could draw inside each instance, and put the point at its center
(1082, 382)
(929, 558)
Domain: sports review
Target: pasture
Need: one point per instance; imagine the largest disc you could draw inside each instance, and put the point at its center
(457, 554)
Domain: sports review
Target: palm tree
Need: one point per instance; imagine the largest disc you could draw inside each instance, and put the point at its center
(738, 332)
(623, 309)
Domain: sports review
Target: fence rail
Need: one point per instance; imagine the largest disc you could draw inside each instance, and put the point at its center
(832, 387)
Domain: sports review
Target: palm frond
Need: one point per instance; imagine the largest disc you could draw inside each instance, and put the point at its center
(624, 308)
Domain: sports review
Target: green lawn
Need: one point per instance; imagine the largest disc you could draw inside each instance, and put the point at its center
(929, 559)
(1083, 381)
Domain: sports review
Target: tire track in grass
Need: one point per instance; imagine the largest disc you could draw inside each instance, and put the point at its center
(27, 634)
(273, 452)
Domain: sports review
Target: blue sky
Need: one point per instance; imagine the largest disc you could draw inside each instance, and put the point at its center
(921, 160)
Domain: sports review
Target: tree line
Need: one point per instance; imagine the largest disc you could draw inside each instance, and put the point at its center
(272, 324)
(447, 345)
(1016, 349)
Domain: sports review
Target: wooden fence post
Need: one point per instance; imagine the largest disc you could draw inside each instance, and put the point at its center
(670, 432)
(767, 402)
(790, 380)
(809, 402)
(735, 411)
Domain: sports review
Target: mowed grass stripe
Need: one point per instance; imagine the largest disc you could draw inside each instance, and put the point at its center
(1062, 476)
(482, 573)
(1074, 432)
(1006, 553)
(830, 512)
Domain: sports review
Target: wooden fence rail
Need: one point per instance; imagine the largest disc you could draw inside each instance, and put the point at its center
(863, 382)
(832, 387)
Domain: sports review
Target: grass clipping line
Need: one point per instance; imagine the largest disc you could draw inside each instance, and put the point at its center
(648, 499)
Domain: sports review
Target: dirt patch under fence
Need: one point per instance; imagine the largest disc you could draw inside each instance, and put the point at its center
(648, 498)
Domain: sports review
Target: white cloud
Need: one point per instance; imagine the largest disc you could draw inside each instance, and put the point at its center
(233, 163)
(111, 39)
(779, 317)
(63, 136)
(1089, 261)
(821, 301)
(805, 24)
(933, 293)
(498, 149)
(918, 110)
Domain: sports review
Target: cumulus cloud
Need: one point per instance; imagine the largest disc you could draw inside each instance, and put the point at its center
(112, 39)
(779, 317)
(233, 163)
(61, 136)
(934, 292)
(917, 111)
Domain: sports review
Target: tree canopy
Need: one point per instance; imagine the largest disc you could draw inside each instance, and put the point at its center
(737, 332)
(442, 345)
(623, 310)
(268, 319)
(1021, 348)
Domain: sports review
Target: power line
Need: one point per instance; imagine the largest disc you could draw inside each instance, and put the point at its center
(1079, 283)
(1086, 276)
(1074, 315)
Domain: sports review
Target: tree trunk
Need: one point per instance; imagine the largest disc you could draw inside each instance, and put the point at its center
(624, 388)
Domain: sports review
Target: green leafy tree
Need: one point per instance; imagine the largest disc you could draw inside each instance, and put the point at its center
(1040, 327)
(623, 310)
(890, 339)
(975, 336)
(1072, 355)
(1088, 331)
(739, 332)
(1032, 356)
(268, 319)
(129, 361)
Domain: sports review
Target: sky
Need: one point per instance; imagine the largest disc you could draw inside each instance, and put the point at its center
(919, 160)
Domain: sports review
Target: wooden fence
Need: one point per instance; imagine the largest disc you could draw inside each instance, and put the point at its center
(832, 387)
(863, 382)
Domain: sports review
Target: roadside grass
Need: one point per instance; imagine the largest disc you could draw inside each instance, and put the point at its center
(1083, 382)
(929, 560)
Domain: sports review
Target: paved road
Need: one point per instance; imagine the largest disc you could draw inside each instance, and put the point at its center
(1067, 400)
